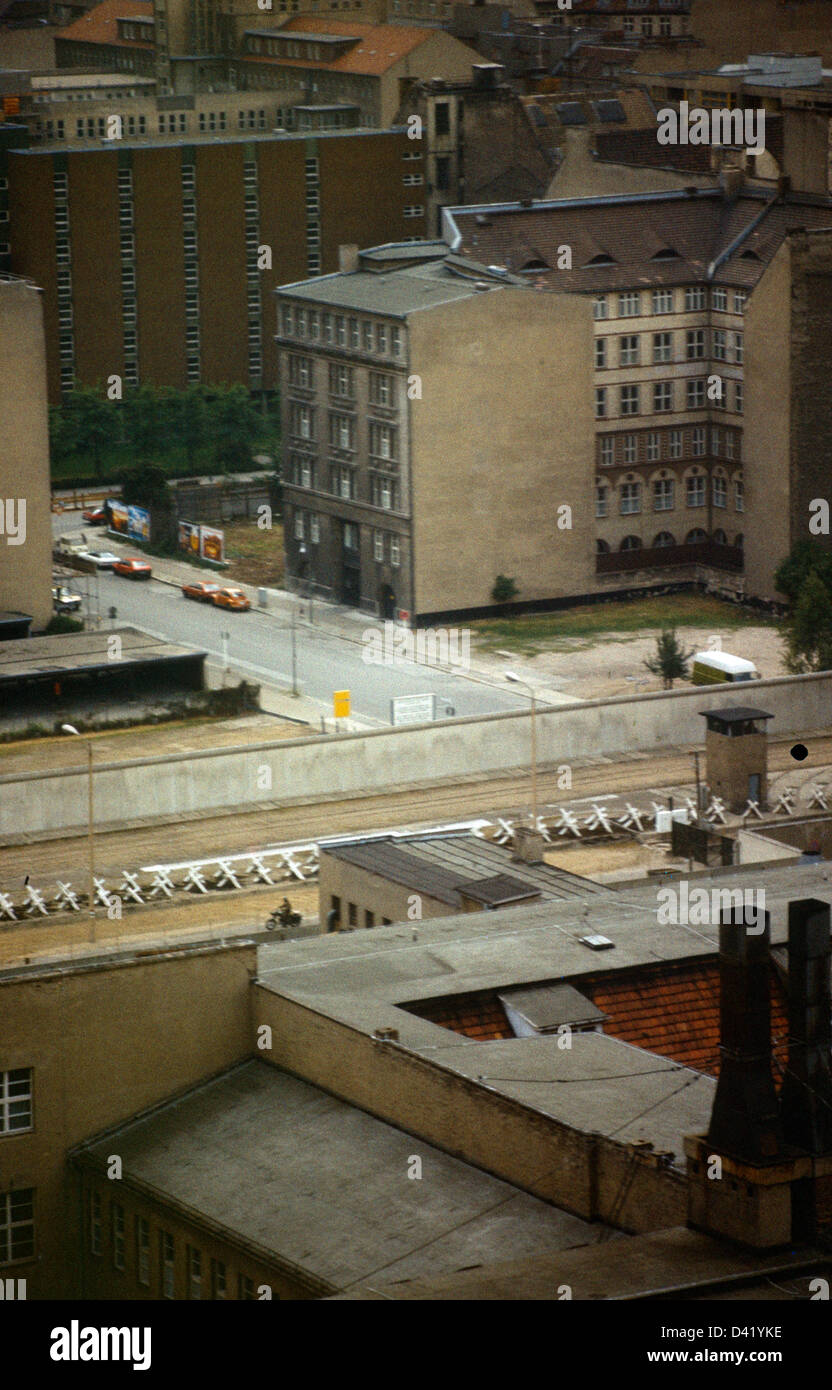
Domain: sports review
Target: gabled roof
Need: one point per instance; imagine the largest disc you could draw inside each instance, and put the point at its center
(379, 47)
(100, 24)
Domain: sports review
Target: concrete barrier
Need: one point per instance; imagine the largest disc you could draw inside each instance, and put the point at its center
(373, 762)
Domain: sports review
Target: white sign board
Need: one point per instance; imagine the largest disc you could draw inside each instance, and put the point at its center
(412, 709)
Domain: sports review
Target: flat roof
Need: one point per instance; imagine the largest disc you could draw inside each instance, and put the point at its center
(311, 1179)
(735, 714)
(74, 653)
(404, 290)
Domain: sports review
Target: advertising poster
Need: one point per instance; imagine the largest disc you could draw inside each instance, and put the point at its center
(118, 516)
(189, 537)
(138, 524)
(212, 544)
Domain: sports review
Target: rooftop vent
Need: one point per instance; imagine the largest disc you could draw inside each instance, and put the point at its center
(595, 942)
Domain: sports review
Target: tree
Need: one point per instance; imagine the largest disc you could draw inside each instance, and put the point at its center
(95, 421)
(143, 421)
(235, 425)
(63, 436)
(805, 557)
(808, 629)
(670, 661)
(193, 420)
(504, 589)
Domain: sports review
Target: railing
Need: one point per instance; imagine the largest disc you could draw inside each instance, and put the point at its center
(724, 557)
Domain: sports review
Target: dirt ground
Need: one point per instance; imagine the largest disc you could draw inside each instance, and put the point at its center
(593, 668)
(255, 556)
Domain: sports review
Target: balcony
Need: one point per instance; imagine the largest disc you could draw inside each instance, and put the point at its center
(724, 557)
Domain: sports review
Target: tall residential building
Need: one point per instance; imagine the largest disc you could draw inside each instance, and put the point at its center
(158, 259)
(433, 439)
(25, 500)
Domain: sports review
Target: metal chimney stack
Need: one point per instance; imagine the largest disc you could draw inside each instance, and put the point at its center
(745, 1120)
(806, 1096)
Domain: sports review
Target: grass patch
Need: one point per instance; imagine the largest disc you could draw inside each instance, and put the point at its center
(255, 555)
(529, 635)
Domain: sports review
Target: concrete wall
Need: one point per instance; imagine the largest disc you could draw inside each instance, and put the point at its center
(310, 770)
(25, 568)
(583, 1172)
(103, 1043)
(767, 420)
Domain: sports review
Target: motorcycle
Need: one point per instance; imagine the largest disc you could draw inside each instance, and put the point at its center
(283, 917)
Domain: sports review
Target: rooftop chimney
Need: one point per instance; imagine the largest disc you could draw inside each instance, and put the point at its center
(745, 1122)
(347, 258)
(806, 1097)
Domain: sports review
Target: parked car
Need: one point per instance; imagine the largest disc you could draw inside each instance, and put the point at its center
(132, 568)
(713, 668)
(200, 590)
(231, 598)
(102, 559)
(71, 545)
(96, 516)
(63, 599)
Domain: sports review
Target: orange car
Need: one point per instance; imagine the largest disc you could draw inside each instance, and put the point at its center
(132, 569)
(200, 590)
(230, 598)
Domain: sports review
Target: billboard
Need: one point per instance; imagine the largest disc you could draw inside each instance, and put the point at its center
(189, 537)
(211, 544)
(133, 522)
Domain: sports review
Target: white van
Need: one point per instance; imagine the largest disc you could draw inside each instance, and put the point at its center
(712, 668)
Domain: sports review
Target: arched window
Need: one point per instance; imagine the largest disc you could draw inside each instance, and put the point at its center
(720, 537)
(664, 538)
(602, 547)
(695, 537)
(739, 541)
(630, 543)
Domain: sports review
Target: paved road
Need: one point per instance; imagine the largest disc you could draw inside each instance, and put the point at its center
(259, 645)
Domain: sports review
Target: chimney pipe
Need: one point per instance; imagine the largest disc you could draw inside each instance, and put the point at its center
(745, 1121)
(806, 1097)
(347, 258)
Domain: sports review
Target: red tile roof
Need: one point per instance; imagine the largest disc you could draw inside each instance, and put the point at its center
(480, 1016)
(380, 46)
(99, 25)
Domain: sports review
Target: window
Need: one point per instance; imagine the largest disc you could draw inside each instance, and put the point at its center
(342, 431)
(653, 447)
(696, 537)
(721, 399)
(662, 347)
(395, 342)
(600, 352)
(720, 339)
(740, 297)
(383, 493)
(662, 301)
(15, 1100)
(662, 540)
(300, 371)
(300, 527)
(143, 1251)
(245, 1288)
(716, 441)
(607, 450)
(629, 500)
(369, 918)
(628, 355)
(194, 1272)
(342, 481)
(600, 402)
(662, 396)
(719, 300)
(630, 543)
(694, 298)
(739, 495)
(700, 442)
(17, 1225)
(738, 348)
(442, 116)
(383, 441)
(381, 388)
(117, 1220)
(219, 1284)
(378, 545)
(301, 420)
(329, 331)
(696, 490)
(381, 337)
(341, 380)
(629, 304)
(314, 528)
(368, 337)
(600, 307)
(286, 317)
(629, 400)
(738, 397)
(695, 344)
(601, 499)
(720, 491)
(630, 448)
(663, 495)
(96, 1223)
(695, 393)
(729, 444)
(394, 552)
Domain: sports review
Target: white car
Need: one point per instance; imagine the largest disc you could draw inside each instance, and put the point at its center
(64, 600)
(102, 559)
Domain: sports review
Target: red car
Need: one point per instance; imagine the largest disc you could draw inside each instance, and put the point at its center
(132, 569)
(96, 516)
(200, 590)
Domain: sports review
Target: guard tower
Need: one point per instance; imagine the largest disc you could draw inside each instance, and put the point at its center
(736, 755)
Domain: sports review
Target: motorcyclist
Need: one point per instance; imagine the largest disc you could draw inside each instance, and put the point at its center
(284, 913)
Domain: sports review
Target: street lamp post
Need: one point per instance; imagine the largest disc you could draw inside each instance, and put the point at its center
(70, 729)
(518, 680)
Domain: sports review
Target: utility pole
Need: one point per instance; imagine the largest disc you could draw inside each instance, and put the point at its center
(294, 654)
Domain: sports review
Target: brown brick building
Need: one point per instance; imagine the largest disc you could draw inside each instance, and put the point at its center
(158, 260)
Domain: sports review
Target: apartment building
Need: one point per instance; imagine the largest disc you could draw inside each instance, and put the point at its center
(421, 457)
(642, 19)
(681, 286)
(158, 258)
(25, 500)
(727, 33)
